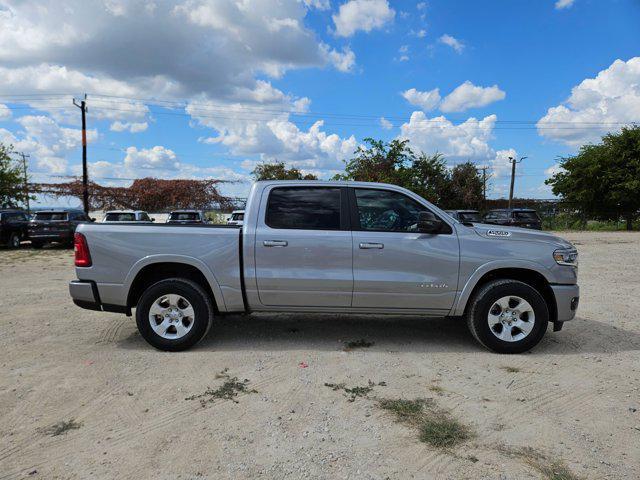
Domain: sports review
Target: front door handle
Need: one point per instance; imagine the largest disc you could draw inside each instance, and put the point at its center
(366, 246)
(275, 243)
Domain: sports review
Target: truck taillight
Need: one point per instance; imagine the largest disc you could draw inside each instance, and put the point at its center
(81, 249)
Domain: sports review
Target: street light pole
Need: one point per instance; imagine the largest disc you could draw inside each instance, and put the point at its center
(513, 162)
(85, 188)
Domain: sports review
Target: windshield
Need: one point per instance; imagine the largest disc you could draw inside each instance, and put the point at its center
(470, 217)
(184, 216)
(120, 217)
(48, 216)
(526, 215)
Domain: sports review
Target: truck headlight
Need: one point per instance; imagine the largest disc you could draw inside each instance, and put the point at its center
(566, 256)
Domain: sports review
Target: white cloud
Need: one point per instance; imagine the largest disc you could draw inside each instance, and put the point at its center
(453, 42)
(553, 169)
(562, 4)
(468, 95)
(421, 33)
(344, 61)
(5, 112)
(425, 100)
(365, 15)
(421, 6)
(386, 124)
(133, 127)
(596, 106)
(464, 141)
(156, 158)
(318, 4)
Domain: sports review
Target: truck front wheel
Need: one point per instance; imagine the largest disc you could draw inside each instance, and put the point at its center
(174, 314)
(508, 316)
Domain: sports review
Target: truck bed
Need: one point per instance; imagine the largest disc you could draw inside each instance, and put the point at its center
(119, 252)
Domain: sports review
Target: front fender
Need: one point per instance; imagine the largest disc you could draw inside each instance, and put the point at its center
(463, 296)
(185, 259)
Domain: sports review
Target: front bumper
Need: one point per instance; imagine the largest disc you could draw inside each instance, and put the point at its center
(85, 295)
(567, 299)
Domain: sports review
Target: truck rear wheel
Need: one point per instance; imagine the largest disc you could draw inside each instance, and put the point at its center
(174, 314)
(508, 316)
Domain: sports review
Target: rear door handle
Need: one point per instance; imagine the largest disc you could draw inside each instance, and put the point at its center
(366, 246)
(275, 243)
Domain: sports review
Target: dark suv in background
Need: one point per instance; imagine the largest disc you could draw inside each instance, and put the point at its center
(514, 217)
(466, 216)
(57, 225)
(13, 227)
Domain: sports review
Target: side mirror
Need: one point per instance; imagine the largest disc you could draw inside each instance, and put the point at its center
(428, 223)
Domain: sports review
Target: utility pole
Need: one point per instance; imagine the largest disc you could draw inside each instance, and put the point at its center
(513, 162)
(485, 177)
(26, 180)
(85, 189)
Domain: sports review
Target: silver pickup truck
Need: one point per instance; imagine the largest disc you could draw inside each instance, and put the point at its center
(347, 247)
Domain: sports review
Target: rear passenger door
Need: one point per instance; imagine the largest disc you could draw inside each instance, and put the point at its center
(303, 250)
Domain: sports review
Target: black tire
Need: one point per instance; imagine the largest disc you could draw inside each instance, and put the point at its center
(36, 244)
(14, 241)
(484, 299)
(194, 294)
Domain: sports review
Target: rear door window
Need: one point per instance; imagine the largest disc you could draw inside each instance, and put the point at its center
(51, 216)
(307, 208)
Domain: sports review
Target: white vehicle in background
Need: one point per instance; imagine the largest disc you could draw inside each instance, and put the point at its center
(236, 218)
(116, 216)
(186, 217)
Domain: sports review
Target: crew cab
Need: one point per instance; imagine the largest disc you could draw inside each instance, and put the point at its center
(340, 247)
(55, 226)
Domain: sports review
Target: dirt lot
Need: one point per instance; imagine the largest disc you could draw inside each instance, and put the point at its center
(571, 408)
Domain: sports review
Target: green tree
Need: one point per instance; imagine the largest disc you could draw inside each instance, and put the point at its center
(379, 162)
(12, 181)
(279, 171)
(603, 180)
(429, 177)
(465, 187)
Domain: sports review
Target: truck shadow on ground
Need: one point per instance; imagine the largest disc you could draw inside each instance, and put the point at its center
(326, 332)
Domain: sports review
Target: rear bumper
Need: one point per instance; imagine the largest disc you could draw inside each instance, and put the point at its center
(567, 299)
(85, 295)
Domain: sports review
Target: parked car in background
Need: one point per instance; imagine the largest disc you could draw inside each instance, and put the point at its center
(313, 246)
(466, 216)
(514, 217)
(14, 227)
(185, 217)
(113, 216)
(56, 225)
(237, 217)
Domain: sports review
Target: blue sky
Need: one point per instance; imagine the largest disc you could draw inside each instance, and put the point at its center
(209, 88)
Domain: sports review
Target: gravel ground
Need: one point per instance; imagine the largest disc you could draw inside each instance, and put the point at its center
(572, 406)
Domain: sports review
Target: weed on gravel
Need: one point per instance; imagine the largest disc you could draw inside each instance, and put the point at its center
(353, 392)
(550, 469)
(511, 369)
(62, 427)
(229, 390)
(435, 427)
(362, 343)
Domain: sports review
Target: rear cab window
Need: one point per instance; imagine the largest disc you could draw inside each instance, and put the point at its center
(531, 215)
(184, 216)
(52, 216)
(305, 208)
(120, 217)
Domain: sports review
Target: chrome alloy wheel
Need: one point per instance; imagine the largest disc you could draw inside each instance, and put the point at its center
(511, 318)
(171, 316)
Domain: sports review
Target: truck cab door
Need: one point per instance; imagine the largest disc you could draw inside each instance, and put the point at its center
(303, 249)
(394, 265)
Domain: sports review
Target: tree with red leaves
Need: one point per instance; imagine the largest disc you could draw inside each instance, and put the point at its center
(150, 194)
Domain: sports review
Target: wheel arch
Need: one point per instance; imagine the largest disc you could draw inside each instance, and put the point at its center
(152, 271)
(526, 274)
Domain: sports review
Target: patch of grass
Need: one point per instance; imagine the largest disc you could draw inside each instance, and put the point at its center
(435, 427)
(229, 390)
(436, 389)
(362, 343)
(510, 369)
(353, 392)
(62, 427)
(550, 469)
